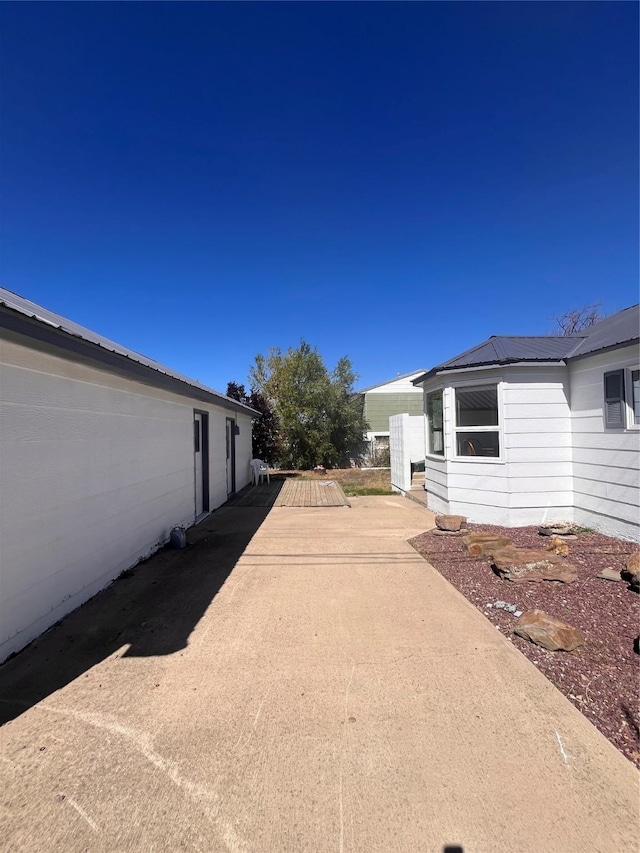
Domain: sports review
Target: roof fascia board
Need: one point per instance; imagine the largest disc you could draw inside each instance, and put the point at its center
(581, 355)
(78, 349)
(489, 366)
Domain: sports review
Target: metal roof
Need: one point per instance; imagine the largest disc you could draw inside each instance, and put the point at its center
(620, 328)
(617, 330)
(26, 308)
(389, 381)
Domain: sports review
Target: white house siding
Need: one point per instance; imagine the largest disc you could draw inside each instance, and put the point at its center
(396, 386)
(96, 469)
(606, 462)
(406, 446)
(532, 481)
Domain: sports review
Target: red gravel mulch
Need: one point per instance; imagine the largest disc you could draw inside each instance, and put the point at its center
(602, 677)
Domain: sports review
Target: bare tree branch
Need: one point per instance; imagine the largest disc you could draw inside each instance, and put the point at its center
(573, 322)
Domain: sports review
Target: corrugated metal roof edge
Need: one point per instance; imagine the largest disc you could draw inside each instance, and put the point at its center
(576, 355)
(435, 371)
(124, 359)
(571, 355)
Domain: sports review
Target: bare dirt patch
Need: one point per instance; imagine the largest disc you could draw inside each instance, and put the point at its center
(602, 677)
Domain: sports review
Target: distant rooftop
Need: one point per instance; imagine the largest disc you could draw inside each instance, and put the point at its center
(26, 308)
(389, 381)
(617, 330)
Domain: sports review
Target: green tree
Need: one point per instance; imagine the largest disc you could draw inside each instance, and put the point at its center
(320, 420)
(265, 433)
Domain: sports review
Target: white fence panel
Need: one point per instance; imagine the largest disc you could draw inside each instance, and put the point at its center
(406, 445)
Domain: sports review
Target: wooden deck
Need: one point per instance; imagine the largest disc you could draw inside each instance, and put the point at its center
(311, 493)
(291, 492)
(264, 494)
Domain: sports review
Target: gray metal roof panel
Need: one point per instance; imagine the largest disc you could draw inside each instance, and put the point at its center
(620, 328)
(499, 349)
(32, 310)
(508, 350)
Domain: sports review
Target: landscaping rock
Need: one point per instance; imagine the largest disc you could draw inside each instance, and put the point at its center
(557, 546)
(521, 565)
(484, 544)
(557, 528)
(610, 575)
(632, 572)
(446, 532)
(633, 564)
(550, 633)
(450, 523)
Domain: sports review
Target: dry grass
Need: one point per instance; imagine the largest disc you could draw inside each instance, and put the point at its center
(354, 481)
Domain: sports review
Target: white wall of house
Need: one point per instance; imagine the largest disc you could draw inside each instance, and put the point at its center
(531, 480)
(396, 386)
(606, 462)
(406, 445)
(96, 470)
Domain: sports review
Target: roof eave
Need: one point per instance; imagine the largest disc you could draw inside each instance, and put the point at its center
(45, 332)
(489, 365)
(581, 355)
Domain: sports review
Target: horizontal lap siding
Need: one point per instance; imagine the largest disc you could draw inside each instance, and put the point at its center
(606, 462)
(96, 469)
(435, 470)
(535, 475)
(378, 408)
(537, 441)
(477, 489)
(435, 483)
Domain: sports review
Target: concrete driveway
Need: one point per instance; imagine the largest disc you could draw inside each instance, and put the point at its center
(298, 680)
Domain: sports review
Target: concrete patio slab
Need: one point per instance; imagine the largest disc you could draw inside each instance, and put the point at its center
(299, 680)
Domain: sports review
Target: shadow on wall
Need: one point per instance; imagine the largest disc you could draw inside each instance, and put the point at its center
(153, 608)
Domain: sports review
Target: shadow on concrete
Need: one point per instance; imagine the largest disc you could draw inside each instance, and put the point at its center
(152, 608)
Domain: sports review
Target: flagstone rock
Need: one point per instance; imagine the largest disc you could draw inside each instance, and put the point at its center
(557, 528)
(484, 544)
(522, 565)
(610, 575)
(450, 523)
(548, 632)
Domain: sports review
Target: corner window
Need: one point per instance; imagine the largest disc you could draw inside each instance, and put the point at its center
(476, 427)
(435, 423)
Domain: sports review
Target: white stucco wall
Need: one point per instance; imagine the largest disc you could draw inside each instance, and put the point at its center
(606, 462)
(531, 481)
(406, 445)
(95, 471)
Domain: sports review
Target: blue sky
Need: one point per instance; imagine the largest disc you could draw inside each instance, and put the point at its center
(390, 181)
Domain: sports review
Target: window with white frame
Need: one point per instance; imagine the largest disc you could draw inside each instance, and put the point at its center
(435, 423)
(634, 395)
(622, 398)
(476, 421)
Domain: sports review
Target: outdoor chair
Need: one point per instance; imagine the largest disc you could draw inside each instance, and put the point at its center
(259, 470)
